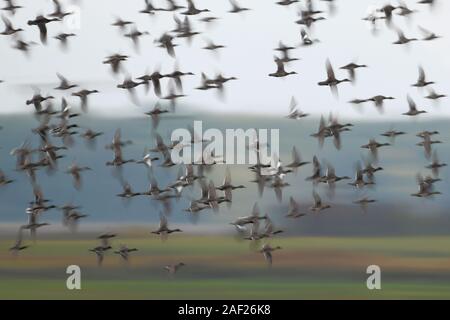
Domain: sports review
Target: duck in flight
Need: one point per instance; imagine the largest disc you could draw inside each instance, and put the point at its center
(284, 49)
(318, 204)
(173, 268)
(432, 95)
(236, 8)
(431, 3)
(210, 45)
(317, 171)
(421, 81)
(413, 111)
(120, 23)
(192, 10)
(73, 218)
(281, 72)
(9, 28)
(154, 79)
(330, 178)
(227, 186)
(75, 171)
(91, 135)
(172, 97)
(402, 39)
(392, 134)
(351, 67)
(166, 42)
(373, 147)
(287, 2)
(254, 217)
(426, 189)
(294, 112)
(267, 251)
(11, 7)
(135, 35)
(83, 95)
(23, 46)
(307, 19)
(115, 61)
(164, 229)
(64, 84)
(428, 35)
(359, 181)
(331, 80)
(306, 40)
(378, 100)
(155, 115)
(150, 9)
(124, 252)
(59, 13)
(173, 6)
(100, 253)
(427, 145)
(18, 245)
(294, 209)
(364, 203)
(403, 10)
(296, 160)
(128, 191)
(436, 165)
(33, 223)
(37, 100)
(387, 9)
(104, 246)
(63, 38)
(4, 180)
(41, 22)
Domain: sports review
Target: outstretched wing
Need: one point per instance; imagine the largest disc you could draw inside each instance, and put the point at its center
(330, 72)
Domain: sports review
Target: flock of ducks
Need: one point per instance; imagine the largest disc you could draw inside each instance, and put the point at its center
(55, 124)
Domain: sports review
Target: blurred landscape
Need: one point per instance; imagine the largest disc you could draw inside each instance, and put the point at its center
(219, 267)
(324, 255)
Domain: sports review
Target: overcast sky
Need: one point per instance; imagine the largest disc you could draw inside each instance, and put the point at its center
(250, 38)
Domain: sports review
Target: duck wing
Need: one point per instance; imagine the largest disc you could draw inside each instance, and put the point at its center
(412, 105)
(330, 71)
(43, 32)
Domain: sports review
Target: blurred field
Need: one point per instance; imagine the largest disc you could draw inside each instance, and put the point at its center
(220, 267)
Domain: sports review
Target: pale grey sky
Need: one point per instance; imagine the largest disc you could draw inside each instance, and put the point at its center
(250, 38)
